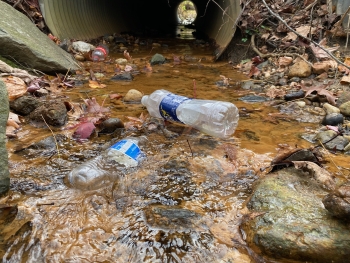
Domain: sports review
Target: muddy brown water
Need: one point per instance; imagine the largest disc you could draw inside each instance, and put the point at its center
(129, 220)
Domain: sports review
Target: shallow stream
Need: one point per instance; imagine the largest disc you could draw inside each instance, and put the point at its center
(182, 204)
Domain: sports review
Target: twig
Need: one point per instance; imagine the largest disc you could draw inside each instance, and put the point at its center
(194, 89)
(58, 152)
(224, 11)
(189, 145)
(252, 40)
(306, 38)
(331, 157)
(340, 22)
(241, 13)
(64, 79)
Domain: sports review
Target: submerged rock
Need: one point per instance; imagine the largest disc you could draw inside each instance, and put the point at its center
(171, 217)
(294, 223)
(157, 59)
(110, 125)
(123, 77)
(253, 98)
(133, 96)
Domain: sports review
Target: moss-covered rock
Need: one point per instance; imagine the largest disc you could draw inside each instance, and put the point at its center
(21, 40)
(4, 113)
(295, 224)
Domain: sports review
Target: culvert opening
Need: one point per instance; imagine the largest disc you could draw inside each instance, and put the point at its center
(186, 13)
(88, 19)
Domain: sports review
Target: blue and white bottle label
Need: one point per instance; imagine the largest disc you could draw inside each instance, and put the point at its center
(168, 106)
(128, 148)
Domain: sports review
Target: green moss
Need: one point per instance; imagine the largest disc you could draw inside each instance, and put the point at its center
(10, 63)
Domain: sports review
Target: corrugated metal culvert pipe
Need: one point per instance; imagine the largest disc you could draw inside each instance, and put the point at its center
(87, 19)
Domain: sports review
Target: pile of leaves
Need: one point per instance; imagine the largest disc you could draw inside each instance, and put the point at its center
(311, 20)
(31, 9)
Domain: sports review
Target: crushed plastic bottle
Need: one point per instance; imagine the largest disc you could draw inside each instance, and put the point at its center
(96, 172)
(100, 53)
(215, 118)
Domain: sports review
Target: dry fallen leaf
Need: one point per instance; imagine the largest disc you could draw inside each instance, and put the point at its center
(96, 85)
(285, 61)
(15, 86)
(305, 30)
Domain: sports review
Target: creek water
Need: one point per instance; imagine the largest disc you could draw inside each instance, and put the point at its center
(182, 204)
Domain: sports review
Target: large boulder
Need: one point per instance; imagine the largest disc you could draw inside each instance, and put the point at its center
(22, 40)
(293, 222)
(4, 113)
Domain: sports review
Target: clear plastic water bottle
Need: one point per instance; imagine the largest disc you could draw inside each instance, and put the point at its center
(215, 118)
(103, 169)
(100, 53)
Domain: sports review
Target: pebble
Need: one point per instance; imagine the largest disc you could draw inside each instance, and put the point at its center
(294, 95)
(133, 96)
(345, 108)
(301, 103)
(347, 148)
(330, 109)
(333, 119)
(123, 77)
(121, 61)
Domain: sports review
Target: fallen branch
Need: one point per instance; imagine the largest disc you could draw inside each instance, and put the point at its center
(306, 38)
(268, 55)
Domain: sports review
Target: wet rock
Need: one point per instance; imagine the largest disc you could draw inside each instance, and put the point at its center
(119, 40)
(27, 44)
(79, 57)
(157, 59)
(121, 61)
(65, 44)
(294, 79)
(83, 47)
(347, 147)
(338, 202)
(300, 103)
(41, 92)
(133, 96)
(247, 84)
(171, 217)
(123, 77)
(335, 142)
(49, 142)
(299, 69)
(293, 223)
(343, 97)
(345, 108)
(282, 82)
(320, 67)
(253, 98)
(54, 113)
(330, 108)
(110, 125)
(333, 119)
(25, 105)
(294, 95)
(4, 114)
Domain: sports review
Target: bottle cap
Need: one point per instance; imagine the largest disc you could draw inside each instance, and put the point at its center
(144, 99)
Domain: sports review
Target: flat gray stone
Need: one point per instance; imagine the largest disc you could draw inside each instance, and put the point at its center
(21, 40)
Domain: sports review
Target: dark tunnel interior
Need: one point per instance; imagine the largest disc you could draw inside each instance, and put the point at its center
(86, 19)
